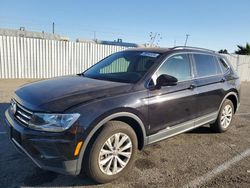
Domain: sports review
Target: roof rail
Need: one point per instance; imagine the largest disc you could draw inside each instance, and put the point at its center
(192, 48)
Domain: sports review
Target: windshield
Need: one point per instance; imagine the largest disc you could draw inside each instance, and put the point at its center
(126, 66)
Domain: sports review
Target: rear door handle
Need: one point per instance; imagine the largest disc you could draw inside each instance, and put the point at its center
(192, 86)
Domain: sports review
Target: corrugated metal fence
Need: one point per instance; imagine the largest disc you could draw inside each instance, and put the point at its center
(39, 58)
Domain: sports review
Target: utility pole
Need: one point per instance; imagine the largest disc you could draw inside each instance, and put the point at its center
(53, 28)
(187, 35)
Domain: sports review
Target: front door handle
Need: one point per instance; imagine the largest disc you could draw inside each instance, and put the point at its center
(192, 86)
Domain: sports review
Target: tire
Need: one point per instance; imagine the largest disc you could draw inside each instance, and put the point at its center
(224, 118)
(103, 172)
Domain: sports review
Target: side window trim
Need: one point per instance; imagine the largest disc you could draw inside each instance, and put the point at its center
(194, 65)
(154, 75)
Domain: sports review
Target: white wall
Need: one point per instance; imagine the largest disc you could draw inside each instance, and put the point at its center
(241, 64)
(38, 58)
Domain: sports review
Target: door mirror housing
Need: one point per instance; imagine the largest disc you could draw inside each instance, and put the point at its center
(165, 80)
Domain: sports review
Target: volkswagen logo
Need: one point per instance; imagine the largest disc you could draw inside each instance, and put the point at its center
(13, 106)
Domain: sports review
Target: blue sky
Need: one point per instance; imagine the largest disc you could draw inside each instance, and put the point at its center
(213, 24)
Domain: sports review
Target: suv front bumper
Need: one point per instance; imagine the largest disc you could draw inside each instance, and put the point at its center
(49, 151)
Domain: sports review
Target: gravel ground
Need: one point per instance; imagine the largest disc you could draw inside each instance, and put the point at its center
(174, 162)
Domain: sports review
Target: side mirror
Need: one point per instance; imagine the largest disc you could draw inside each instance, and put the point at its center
(165, 80)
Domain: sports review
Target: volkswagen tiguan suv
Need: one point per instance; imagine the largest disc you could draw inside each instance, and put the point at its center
(97, 120)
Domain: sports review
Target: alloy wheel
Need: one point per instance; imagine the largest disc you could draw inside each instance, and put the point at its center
(226, 116)
(115, 154)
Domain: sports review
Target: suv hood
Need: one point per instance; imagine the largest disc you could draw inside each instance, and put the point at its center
(61, 93)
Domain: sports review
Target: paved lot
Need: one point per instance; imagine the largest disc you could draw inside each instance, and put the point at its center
(197, 158)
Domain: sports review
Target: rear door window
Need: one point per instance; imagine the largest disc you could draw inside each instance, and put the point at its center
(206, 65)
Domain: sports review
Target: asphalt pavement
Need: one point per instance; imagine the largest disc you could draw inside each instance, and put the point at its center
(199, 158)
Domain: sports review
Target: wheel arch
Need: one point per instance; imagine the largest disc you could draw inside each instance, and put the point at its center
(128, 117)
(233, 96)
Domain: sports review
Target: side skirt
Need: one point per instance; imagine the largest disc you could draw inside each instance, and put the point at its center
(181, 128)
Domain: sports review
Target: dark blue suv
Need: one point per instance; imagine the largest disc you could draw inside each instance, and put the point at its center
(98, 119)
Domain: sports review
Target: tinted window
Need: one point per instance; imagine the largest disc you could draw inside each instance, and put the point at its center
(206, 65)
(119, 65)
(177, 66)
(126, 66)
(224, 65)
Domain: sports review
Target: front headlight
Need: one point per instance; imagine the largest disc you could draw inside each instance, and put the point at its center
(52, 122)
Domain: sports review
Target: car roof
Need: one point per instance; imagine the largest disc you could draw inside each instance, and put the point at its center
(174, 49)
(151, 49)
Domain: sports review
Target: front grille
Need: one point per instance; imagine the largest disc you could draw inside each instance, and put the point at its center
(22, 114)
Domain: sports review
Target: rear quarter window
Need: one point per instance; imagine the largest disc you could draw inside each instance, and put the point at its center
(206, 65)
(224, 66)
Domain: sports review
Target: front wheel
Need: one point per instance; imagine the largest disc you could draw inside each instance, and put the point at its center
(112, 152)
(225, 117)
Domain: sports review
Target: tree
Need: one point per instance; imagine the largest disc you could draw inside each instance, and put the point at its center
(223, 51)
(243, 50)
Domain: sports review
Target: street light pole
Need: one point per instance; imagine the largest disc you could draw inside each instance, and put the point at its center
(53, 28)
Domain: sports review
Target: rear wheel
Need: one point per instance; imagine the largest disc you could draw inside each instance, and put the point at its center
(112, 152)
(225, 116)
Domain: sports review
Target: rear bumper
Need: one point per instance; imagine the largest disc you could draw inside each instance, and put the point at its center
(49, 151)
